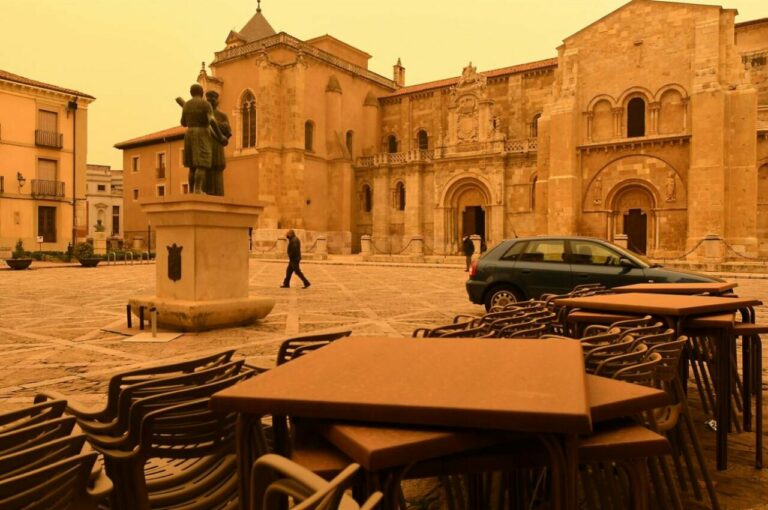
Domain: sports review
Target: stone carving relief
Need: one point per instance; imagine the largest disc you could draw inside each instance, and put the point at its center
(670, 187)
(467, 119)
(597, 191)
(470, 119)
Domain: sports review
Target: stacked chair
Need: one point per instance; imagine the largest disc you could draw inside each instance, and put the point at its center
(43, 465)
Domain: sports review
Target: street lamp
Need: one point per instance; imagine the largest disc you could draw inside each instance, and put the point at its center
(21, 179)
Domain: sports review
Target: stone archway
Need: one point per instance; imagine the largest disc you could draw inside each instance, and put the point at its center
(466, 210)
(632, 213)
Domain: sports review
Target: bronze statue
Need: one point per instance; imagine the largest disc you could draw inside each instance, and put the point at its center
(221, 132)
(196, 116)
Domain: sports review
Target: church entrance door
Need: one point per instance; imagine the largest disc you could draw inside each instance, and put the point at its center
(473, 221)
(636, 228)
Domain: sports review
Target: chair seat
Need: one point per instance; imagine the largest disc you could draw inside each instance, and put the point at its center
(622, 441)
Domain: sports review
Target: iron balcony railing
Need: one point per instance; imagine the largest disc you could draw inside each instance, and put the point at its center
(41, 188)
(49, 139)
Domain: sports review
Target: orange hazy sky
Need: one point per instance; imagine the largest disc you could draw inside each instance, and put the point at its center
(136, 56)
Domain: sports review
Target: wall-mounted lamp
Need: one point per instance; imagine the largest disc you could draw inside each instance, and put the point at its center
(21, 179)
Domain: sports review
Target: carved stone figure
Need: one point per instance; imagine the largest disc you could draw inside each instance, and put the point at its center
(196, 116)
(670, 187)
(220, 139)
(598, 191)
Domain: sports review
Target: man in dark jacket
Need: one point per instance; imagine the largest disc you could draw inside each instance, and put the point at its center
(469, 249)
(294, 258)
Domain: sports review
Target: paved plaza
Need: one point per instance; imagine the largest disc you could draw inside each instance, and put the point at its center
(55, 322)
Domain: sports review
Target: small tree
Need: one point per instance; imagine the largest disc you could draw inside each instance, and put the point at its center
(83, 251)
(18, 251)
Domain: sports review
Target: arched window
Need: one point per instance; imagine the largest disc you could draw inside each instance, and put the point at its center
(350, 140)
(533, 193)
(400, 196)
(367, 198)
(309, 135)
(248, 115)
(392, 144)
(636, 117)
(423, 138)
(535, 126)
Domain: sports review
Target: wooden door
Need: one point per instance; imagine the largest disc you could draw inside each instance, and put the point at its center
(636, 228)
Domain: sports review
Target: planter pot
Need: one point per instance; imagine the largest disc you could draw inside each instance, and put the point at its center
(18, 263)
(89, 262)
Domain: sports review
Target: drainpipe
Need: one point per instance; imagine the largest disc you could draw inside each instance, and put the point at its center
(72, 106)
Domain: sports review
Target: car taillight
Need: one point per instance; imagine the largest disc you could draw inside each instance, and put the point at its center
(473, 269)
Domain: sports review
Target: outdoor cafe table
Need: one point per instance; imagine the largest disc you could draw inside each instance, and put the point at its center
(522, 386)
(711, 288)
(675, 310)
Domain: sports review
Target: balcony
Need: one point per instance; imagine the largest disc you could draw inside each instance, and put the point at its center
(49, 139)
(48, 189)
(396, 158)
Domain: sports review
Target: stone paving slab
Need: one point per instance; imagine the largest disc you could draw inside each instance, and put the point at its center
(51, 333)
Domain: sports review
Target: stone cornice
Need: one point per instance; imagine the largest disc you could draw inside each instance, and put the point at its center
(635, 143)
(284, 40)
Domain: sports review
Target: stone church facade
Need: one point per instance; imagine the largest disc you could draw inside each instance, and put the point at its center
(650, 122)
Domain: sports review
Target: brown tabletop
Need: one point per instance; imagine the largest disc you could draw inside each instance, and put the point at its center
(669, 305)
(509, 384)
(678, 288)
(377, 446)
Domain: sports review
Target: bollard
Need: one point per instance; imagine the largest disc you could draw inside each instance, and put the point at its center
(322, 245)
(417, 245)
(141, 317)
(365, 244)
(476, 240)
(128, 315)
(153, 318)
(621, 240)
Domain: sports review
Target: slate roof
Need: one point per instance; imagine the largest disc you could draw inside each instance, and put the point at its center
(166, 135)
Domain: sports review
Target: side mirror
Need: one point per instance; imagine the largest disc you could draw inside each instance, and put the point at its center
(625, 262)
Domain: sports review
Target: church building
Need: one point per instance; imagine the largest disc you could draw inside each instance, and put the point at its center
(650, 122)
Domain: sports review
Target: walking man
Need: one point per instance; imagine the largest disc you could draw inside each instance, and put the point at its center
(294, 258)
(469, 249)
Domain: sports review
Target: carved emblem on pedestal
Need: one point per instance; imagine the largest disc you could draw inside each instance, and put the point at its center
(174, 262)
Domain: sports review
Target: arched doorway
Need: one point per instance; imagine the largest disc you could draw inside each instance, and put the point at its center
(633, 207)
(467, 212)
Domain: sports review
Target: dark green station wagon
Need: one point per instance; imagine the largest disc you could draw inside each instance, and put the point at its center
(527, 267)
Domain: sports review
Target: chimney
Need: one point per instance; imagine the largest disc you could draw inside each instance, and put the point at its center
(399, 74)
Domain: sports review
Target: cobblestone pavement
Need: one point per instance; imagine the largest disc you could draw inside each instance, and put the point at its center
(54, 326)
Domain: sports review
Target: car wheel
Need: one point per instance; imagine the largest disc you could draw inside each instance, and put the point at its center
(502, 296)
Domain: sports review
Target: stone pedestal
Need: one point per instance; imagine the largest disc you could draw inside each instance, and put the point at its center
(100, 243)
(202, 264)
(712, 248)
(476, 242)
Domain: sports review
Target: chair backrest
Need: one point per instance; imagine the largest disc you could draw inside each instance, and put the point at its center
(609, 366)
(306, 343)
(143, 407)
(27, 437)
(62, 485)
(632, 323)
(31, 415)
(118, 381)
(40, 455)
(670, 352)
(131, 393)
(640, 373)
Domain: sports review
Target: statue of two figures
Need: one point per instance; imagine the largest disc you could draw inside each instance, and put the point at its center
(208, 132)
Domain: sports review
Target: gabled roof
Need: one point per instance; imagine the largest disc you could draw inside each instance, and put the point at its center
(530, 66)
(257, 28)
(751, 22)
(630, 2)
(6, 76)
(166, 135)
